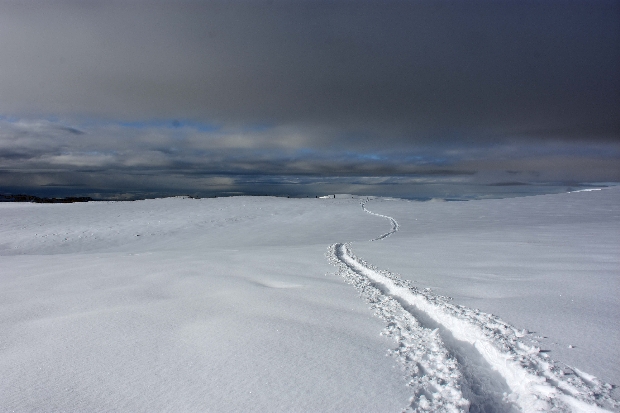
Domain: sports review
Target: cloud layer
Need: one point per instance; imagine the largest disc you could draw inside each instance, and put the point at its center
(114, 158)
(187, 94)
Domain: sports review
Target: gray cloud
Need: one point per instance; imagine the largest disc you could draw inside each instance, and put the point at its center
(434, 70)
(187, 94)
(109, 149)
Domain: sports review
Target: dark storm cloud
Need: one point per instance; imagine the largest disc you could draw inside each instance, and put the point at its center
(418, 69)
(189, 93)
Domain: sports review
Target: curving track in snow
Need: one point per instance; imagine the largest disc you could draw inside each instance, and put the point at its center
(458, 359)
(393, 222)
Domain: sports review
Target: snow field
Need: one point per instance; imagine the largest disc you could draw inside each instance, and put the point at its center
(227, 308)
(224, 305)
(547, 263)
(535, 382)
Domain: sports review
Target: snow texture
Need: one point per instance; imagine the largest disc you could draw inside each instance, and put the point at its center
(224, 305)
(483, 344)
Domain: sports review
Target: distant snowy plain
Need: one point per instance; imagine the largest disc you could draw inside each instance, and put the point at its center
(245, 304)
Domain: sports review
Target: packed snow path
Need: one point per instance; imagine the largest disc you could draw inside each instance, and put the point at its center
(461, 359)
(393, 223)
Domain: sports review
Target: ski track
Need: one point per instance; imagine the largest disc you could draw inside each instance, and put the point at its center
(458, 359)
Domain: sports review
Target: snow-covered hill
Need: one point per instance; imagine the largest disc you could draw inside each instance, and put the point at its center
(229, 304)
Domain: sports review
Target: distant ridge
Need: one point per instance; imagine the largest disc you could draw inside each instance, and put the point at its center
(38, 200)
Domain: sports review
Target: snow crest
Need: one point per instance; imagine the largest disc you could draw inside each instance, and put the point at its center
(458, 359)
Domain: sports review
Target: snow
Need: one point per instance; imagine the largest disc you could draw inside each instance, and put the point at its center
(548, 263)
(229, 304)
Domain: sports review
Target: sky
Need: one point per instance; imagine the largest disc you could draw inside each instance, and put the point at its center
(412, 98)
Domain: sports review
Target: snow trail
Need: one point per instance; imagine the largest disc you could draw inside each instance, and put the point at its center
(431, 372)
(461, 359)
(393, 222)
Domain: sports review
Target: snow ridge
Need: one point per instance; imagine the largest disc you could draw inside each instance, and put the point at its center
(461, 359)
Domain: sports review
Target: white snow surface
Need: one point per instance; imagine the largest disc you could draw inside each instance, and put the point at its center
(229, 304)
